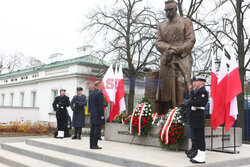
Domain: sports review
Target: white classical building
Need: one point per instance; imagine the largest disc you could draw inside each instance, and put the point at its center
(28, 94)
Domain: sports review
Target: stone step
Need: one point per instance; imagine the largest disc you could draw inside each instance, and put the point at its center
(112, 152)
(17, 160)
(139, 156)
(54, 157)
(3, 165)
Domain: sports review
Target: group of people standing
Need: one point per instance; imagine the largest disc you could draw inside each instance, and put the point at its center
(77, 104)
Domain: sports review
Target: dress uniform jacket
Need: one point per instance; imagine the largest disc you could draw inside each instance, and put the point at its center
(59, 105)
(197, 104)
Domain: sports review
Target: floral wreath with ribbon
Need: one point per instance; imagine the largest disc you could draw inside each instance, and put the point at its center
(141, 119)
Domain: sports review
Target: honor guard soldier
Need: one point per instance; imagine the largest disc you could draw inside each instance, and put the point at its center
(190, 134)
(197, 118)
(77, 105)
(60, 105)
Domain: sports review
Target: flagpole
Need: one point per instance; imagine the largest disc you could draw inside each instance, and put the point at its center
(223, 137)
(212, 138)
(234, 139)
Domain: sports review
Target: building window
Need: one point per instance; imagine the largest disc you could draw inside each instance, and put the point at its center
(22, 99)
(11, 99)
(2, 99)
(33, 98)
(54, 93)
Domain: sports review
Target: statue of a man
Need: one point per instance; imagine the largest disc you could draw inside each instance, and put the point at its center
(175, 40)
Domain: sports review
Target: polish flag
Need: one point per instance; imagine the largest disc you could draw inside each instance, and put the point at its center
(108, 85)
(120, 105)
(234, 88)
(213, 86)
(220, 108)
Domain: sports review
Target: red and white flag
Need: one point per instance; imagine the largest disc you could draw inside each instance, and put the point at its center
(220, 106)
(213, 85)
(234, 88)
(120, 105)
(108, 85)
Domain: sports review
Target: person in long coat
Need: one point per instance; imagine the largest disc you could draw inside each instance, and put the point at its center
(60, 105)
(96, 109)
(77, 105)
(175, 40)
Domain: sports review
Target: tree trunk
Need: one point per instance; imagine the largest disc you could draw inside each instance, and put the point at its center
(241, 57)
(131, 94)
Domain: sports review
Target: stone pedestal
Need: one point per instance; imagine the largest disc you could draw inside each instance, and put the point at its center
(120, 133)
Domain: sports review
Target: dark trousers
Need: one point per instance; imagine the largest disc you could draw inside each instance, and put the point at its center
(61, 122)
(78, 131)
(199, 138)
(94, 134)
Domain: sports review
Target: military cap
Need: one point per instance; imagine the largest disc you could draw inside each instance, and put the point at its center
(193, 79)
(79, 89)
(201, 79)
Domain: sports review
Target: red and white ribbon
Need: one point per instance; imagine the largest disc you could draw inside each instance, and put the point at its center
(140, 115)
(154, 117)
(131, 122)
(167, 125)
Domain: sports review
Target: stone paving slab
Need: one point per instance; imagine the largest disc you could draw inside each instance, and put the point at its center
(151, 155)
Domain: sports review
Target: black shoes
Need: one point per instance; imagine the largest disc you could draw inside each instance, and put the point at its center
(79, 138)
(74, 137)
(95, 147)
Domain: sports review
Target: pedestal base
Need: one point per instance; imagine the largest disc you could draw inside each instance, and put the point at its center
(120, 133)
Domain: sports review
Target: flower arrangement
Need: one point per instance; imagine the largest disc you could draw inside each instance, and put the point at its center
(122, 118)
(20, 127)
(141, 119)
(172, 131)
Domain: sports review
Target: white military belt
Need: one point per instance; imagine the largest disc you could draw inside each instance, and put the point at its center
(195, 108)
(62, 107)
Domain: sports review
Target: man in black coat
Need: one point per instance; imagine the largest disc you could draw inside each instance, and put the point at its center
(60, 105)
(197, 119)
(96, 110)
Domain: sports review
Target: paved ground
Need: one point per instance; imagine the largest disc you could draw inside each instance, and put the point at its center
(150, 154)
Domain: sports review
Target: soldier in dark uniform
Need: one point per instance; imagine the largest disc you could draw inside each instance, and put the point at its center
(197, 119)
(190, 134)
(96, 110)
(77, 105)
(60, 105)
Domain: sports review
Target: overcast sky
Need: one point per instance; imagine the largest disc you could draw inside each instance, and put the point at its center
(42, 27)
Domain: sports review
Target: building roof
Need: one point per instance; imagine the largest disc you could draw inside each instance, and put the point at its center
(83, 60)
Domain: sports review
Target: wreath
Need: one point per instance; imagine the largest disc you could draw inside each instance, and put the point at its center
(122, 118)
(172, 131)
(141, 119)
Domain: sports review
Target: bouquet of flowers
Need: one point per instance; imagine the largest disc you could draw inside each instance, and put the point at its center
(122, 118)
(141, 119)
(172, 131)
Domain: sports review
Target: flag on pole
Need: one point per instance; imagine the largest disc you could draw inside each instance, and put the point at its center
(108, 85)
(213, 85)
(220, 106)
(234, 88)
(120, 105)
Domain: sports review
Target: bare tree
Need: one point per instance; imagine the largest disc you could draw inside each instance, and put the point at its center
(132, 29)
(17, 61)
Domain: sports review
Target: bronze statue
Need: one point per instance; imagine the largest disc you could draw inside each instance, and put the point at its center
(175, 40)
